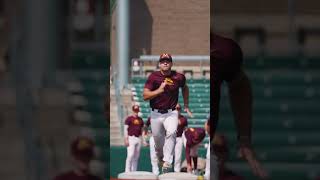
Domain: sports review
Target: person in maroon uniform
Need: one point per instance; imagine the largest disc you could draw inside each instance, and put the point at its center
(192, 139)
(82, 153)
(162, 90)
(182, 125)
(132, 139)
(226, 60)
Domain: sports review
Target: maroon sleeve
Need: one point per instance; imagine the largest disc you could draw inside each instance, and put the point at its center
(186, 122)
(127, 121)
(188, 136)
(202, 134)
(188, 157)
(188, 145)
(149, 83)
(182, 81)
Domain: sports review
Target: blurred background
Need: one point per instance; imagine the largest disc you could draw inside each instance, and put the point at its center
(280, 42)
(53, 85)
(140, 32)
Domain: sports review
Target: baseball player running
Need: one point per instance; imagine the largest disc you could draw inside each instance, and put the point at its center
(182, 125)
(162, 90)
(192, 138)
(133, 129)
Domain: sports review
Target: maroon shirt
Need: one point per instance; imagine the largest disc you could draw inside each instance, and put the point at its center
(169, 98)
(193, 136)
(135, 124)
(72, 176)
(226, 60)
(183, 122)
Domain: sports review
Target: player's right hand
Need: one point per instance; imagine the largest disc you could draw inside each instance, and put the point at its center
(162, 86)
(187, 110)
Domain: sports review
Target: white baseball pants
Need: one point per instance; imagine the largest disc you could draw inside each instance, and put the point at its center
(164, 127)
(133, 153)
(153, 157)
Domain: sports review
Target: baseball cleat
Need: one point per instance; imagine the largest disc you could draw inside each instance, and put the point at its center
(166, 167)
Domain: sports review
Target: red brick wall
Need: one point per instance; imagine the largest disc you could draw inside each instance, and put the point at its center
(179, 27)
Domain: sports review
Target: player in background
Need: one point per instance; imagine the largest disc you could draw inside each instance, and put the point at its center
(133, 130)
(82, 152)
(153, 156)
(207, 172)
(226, 61)
(162, 90)
(182, 125)
(192, 138)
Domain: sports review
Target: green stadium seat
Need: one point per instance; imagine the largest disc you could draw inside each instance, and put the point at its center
(278, 138)
(89, 60)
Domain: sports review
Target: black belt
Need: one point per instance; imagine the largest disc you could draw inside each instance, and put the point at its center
(162, 111)
(134, 135)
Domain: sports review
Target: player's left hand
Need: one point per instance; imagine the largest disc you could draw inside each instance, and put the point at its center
(247, 153)
(187, 110)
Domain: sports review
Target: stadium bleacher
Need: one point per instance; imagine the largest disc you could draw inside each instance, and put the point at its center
(87, 95)
(285, 120)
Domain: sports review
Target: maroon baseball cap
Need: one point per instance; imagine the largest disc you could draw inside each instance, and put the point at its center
(165, 56)
(82, 148)
(135, 108)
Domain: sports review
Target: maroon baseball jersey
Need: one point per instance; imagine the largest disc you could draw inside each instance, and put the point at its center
(226, 60)
(193, 136)
(73, 176)
(169, 98)
(183, 123)
(135, 124)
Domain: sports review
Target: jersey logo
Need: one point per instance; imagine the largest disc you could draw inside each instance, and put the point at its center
(136, 122)
(83, 144)
(169, 81)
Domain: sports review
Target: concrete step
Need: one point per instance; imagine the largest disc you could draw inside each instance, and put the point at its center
(117, 144)
(116, 137)
(115, 131)
(115, 124)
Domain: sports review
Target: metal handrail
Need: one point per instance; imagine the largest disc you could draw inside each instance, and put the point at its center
(118, 102)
